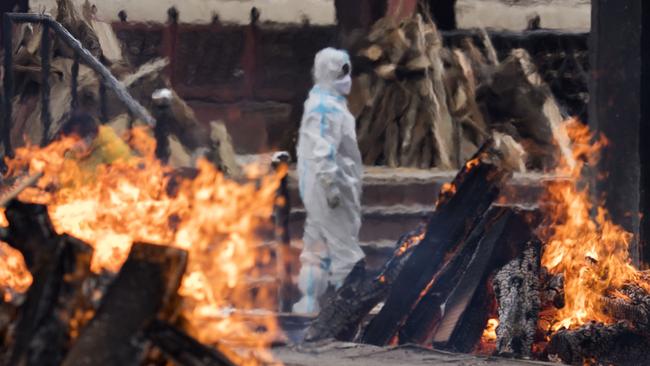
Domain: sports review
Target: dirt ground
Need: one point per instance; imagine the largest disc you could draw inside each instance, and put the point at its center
(349, 354)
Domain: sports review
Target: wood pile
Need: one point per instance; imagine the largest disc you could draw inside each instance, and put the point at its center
(475, 260)
(196, 138)
(420, 104)
(437, 289)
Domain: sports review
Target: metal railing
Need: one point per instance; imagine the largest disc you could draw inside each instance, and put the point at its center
(107, 80)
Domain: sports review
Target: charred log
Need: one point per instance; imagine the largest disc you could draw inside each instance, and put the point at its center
(59, 264)
(147, 281)
(516, 287)
(476, 187)
(182, 348)
(455, 309)
(618, 344)
(428, 315)
(361, 291)
(451, 334)
(632, 303)
(31, 232)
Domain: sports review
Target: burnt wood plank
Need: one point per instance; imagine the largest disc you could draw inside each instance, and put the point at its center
(361, 291)
(59, 264)
(426, 317)
(455, 304)
(476, 187)
(148, 279)
(475, 276)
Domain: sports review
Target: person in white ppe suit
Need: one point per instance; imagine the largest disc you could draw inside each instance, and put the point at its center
(330, 176)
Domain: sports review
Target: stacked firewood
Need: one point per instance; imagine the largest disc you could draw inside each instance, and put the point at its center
(424, 105)
(186, 133)
(439, 287)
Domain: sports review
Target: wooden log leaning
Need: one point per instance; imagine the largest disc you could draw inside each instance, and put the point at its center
(455, 309)
(361, 291)
(426, 317)
(59, 264)
(476, 187)
(148, 280)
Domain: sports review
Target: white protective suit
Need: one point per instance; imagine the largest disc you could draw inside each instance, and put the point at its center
(330, 172)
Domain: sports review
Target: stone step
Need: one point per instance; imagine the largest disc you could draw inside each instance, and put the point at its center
(384, 187)
(397, 200)
(379, 223)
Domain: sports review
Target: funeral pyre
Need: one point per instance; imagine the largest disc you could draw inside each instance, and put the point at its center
(554, 282)
(201, 256)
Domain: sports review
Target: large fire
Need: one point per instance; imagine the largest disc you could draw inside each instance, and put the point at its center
(590, 250)
(215, 219)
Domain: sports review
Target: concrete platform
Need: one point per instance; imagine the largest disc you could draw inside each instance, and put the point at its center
(350, 354)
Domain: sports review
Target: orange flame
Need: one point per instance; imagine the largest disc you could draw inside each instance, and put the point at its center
(410, 242)
(14, 276)
(213, 218)
(592, 252)
(490, 332)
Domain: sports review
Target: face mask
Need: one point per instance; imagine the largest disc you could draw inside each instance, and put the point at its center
(344, 85)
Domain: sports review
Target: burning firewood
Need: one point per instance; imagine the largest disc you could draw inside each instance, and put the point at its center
(429, 320)
(342, 316)
(147, 282)
(632, 303)
(598, 344)
(361, 291)
(460, 208)
(11, 193)
(59, 265)
(456, 307)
